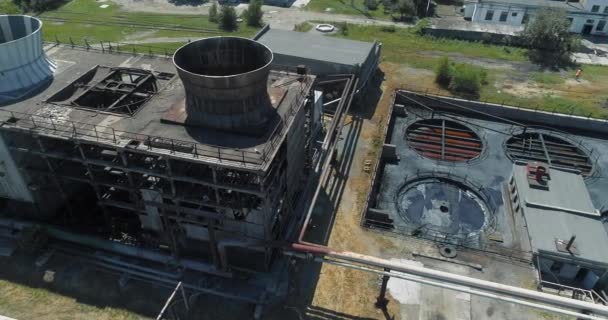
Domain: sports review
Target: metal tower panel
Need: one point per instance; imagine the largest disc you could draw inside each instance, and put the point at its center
(24, 65)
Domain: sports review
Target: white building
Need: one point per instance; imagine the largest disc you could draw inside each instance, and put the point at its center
(586, 16)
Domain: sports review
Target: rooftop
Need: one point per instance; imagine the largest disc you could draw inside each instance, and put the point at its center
(141, 127)
(317, 47)
(560, 212)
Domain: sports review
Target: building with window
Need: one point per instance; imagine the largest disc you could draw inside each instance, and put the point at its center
(586, 16)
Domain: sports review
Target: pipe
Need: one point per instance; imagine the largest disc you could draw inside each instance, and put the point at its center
(325, 167)
(468, 290)
(115, 247)
(441, 277)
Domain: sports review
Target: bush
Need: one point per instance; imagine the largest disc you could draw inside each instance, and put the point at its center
(344, 28)
(389, 28)
(460, 78)
(466, 80)
(213, 13)
(253, 14)
(420, 26)
(228, 19)
(302, 27)
(371, 4)
(443, 72)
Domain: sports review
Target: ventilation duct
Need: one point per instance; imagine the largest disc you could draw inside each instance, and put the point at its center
(226, 83)
(23, 64)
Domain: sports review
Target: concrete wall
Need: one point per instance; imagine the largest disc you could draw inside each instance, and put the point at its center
(561, 121)
(474, 36)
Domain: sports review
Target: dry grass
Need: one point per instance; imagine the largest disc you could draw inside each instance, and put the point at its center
(348, 291)
(23, 302)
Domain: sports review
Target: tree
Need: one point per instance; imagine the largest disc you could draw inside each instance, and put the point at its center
(213, 12)
(549, 37)
(253, 14)
(228, 18)
(406, 8)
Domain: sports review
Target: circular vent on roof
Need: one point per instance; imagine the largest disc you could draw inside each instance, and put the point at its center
(444, 140)
(548, 148)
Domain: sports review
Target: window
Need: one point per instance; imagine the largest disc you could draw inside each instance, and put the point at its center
(489, 15)
(606, 9)
(514, 14)
(600, 25)
(525, 19)
(595, 8)
(570, 21)
(503, 16)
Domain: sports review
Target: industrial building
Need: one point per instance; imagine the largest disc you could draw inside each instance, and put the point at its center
(196, 163)
(199, 172)
(323, 55)
(496, 180)
(585, 16)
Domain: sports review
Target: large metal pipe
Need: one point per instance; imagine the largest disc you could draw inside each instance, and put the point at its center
(452, 281)
(226, 83)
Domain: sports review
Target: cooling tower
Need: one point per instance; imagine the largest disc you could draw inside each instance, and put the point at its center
(226, 83)
(23, 64)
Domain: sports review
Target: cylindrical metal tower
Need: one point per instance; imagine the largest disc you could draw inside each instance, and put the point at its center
(226, 83)
(23, 64)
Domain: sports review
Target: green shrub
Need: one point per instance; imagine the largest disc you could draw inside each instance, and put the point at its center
(372, 5)
(420, 26)
(344, 28)
(253, 14)
(466, 80)
(228, 19)
(389, 28)
(213, 12)
(302, 27)
(443, 72)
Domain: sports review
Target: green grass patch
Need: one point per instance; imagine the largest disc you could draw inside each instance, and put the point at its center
(404, 46)
(548, 78)
(302, 27)
(8, 7)
(355, 7)
(86, 20)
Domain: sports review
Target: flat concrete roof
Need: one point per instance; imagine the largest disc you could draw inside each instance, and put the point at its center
(317, 47)
(562, 211)
(74, 62)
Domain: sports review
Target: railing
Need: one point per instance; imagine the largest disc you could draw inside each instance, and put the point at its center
(228, 156)
(588, 294)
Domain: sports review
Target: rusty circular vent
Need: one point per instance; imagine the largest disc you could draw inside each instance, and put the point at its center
(444, 140)
(543, 147)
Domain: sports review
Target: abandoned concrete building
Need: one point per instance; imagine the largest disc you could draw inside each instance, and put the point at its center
(202, 170)
(199, 162)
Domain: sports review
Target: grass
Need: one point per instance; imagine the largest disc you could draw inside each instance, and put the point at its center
(23, 302)
(8, 7)
(86, 20)
(406, 47)
(548, 78)
(302, 27)
(356, 7)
